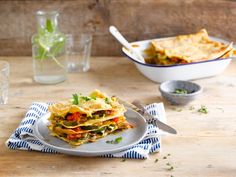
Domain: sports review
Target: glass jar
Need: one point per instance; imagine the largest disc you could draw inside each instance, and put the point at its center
(48, 50)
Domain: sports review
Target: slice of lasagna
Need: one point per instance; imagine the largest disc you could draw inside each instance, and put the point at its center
(87, 118)
(186, 49)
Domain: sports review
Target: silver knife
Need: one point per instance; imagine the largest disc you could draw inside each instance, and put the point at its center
(158, 123)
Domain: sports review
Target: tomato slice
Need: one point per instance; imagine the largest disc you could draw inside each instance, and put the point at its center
(73, 136)
(76, 129)
(74, 117)
(115, 120)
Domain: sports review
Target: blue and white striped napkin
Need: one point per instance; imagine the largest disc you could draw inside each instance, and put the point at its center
(23, 138)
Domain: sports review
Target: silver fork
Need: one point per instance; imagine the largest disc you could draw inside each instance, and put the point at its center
(137, 106)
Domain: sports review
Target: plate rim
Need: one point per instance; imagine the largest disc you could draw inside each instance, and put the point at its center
(84, 152)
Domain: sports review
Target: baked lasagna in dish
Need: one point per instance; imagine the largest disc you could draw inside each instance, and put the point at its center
(186, 49)
(87, 118)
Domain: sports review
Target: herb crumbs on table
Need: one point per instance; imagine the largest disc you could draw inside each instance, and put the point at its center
(221, 109)
(191, 108)
(156, 161)
(171, 168)
(168, 164)
(168, 154)
(178, 109)
(203, 109)
(164, 157)
(123, 160)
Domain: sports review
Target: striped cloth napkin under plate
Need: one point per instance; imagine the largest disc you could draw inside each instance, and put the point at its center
(23, 138)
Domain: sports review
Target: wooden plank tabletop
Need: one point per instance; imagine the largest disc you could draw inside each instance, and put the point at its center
(205, 144)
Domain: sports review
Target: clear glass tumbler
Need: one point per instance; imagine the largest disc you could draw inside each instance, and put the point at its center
(4, 81)
(78, 51)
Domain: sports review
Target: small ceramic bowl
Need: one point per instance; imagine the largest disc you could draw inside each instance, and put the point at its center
(179, 92)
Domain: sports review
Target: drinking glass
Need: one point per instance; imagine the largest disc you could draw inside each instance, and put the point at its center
(78, 51)
(4, 83)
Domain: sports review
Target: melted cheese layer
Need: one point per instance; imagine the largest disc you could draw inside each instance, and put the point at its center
(186, 49)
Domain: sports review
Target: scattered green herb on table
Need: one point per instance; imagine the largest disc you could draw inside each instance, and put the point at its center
(116, 141)
(168, 164)
(221, 109)
(203, 110)
(178, 109)
(164, 157)
(156, 161)
(209, 166)
(123, 160)
(191, 108)
(171, 168)
(180, 91)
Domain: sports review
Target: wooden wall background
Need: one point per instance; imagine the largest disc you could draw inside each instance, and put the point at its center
(136, 19)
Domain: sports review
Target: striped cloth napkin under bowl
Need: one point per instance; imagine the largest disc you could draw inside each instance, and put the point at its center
(23, 137)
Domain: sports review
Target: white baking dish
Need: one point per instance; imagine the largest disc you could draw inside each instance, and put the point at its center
(187, 71)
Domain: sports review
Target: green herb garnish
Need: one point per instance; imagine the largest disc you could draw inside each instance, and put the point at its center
(100, 131)
(156, 161)
(171, 168)
(93, 97)
(168, 164)
(203, 110)
(116, 141)
(123, 160)
(85, 98)
(164, 157)
(75, 99)
(180, 91)
(67, 123)
(107, 101)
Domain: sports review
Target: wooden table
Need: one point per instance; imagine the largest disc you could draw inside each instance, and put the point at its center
(205, 145)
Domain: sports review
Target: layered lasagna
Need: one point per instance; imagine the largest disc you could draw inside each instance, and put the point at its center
(85, 119)
(186, 49)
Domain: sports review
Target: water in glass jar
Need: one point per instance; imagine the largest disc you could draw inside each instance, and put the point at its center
(50, 71)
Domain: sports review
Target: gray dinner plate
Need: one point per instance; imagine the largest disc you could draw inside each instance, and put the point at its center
(130, 137)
